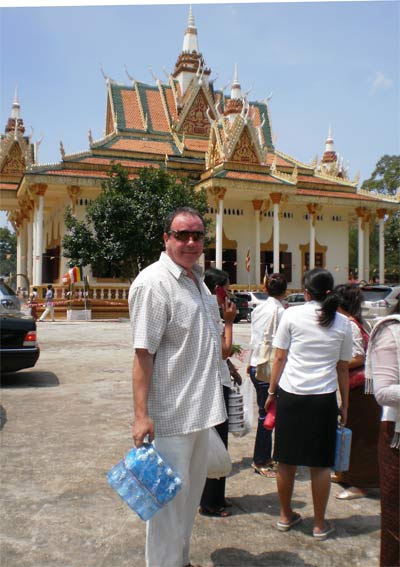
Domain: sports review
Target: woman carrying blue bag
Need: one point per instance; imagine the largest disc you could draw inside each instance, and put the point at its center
(314, 347)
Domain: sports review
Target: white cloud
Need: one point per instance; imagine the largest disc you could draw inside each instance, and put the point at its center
(380, 83)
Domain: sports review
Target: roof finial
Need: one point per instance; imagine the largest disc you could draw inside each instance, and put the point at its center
(236, 91)
(191, 23)
(15, 106)
(190, 43)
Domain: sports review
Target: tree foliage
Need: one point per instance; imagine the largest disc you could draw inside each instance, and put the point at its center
(123, 228)
(385, 180)
(8, 251)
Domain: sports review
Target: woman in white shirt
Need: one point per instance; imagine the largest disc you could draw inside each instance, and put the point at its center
(313, 345)
(383, 371)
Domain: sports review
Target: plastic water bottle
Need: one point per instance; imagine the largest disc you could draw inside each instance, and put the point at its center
(144, 480)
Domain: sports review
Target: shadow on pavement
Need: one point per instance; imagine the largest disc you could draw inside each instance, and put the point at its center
(3, 417)
(29, 379)
(234, 557)
(256, 504)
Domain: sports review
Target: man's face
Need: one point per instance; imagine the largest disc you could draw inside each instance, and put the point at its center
(183, 253)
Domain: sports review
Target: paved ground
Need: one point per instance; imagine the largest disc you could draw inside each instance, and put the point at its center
(66, 422)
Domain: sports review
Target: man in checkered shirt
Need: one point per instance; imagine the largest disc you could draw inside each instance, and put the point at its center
(177, 389)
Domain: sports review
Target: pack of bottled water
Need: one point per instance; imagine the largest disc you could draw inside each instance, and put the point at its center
(144, 480)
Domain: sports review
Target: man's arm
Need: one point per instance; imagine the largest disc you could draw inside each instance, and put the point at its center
(142, 372)
(343, 380)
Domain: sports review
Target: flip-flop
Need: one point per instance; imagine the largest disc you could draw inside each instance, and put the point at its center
(321, 536)
(264, 470)
(349, 494)
(286, 526)
(218, 513)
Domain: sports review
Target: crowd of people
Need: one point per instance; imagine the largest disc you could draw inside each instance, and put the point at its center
(319, 378)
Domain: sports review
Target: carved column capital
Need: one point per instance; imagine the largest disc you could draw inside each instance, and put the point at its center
(257, 204)
(276, 198)
(360, 211)
(38, 189)
(74, 191)
(218, 194)
(381, 213)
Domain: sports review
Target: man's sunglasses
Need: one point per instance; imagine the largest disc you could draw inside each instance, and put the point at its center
(184, 235)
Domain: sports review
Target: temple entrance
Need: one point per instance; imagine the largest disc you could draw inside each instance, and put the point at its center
(228, 262)
(51, 265)
(285, 264)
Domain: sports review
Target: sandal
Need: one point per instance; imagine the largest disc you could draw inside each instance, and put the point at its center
(351, 493)
(264, 470)
(322, 536)
(215, 513)
(286, 526)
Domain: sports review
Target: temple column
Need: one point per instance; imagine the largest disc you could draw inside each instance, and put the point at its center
(381, 216)
(366, 247)
(39, 189)
(312, 215)
(360, 214)
(276, 199)
(218, 193)
(19, 232)
(29, 250)
(257, 206)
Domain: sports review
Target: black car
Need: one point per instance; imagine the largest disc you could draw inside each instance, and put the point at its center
(242, 306)
(18, 342)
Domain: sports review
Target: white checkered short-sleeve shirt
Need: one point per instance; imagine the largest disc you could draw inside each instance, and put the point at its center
(177, 321)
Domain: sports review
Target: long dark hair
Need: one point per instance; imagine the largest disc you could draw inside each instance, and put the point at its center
(350, 299)
(319, 284)
(214, 277)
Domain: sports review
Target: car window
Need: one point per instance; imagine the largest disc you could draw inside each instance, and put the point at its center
(375, 294)
(5, 289)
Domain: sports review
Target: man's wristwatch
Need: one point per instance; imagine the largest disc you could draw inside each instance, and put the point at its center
(271, 393)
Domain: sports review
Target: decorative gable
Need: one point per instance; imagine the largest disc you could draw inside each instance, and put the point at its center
(244, 150)
(14, 162)
(196, 122)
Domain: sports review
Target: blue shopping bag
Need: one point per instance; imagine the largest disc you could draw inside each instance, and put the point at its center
(343, 448)
(144, 480)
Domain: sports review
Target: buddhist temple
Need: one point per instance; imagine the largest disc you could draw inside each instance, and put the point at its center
(279, 213)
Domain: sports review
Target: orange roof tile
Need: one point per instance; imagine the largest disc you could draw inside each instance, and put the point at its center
(252, 176)
(131, 110)
(171, 104)
(124, 163)
(255, 112)
(279, 160)
(317, 180)
(9, 186)
(143, 146)
(196, 144)
(82, 173)
(338, 194)
(157, 114)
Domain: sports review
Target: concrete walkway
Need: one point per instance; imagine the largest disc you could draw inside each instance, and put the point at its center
(67, 421)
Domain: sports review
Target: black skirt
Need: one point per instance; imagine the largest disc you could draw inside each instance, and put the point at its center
(305, 430)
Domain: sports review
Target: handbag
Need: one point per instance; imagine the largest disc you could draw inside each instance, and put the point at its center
(342, 451)
(144, 480)
(219, 463)
(269, 421)
(267, 351)
(356, 377)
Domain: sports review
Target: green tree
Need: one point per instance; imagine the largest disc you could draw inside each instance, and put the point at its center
(385, 180)
(8, 251)
(123, 228)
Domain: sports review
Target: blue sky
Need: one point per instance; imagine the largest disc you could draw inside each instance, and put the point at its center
(325, 63)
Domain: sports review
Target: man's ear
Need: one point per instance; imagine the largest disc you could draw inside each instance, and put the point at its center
(165, 238)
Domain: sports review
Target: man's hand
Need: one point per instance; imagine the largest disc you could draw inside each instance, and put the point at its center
(142, 427)
(343, 415)
(229, 310)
